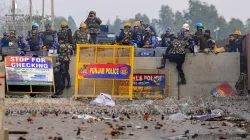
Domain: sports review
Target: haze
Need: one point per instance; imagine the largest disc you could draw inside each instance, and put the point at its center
(125, 9)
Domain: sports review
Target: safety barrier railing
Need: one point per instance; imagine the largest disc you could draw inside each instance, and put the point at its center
(101, 69)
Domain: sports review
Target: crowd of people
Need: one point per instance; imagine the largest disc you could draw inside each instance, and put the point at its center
(139, 35)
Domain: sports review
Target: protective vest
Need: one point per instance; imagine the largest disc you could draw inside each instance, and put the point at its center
(166, 40)
(34, 38)
(127, 36)
(81, 37)
(64, 33)
(48, 38)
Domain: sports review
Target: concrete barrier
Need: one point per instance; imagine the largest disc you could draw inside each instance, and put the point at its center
(203, 72)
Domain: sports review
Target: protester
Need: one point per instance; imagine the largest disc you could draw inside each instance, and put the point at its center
(93, 25)
(176, 53)
(34, 39)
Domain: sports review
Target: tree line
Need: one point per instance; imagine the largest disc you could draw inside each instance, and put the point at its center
(197, 12)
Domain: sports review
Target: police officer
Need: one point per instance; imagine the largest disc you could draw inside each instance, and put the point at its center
(149, 40)
(81, 36)
(125, 36)
(5, 40)
(177, 55)
(34, 39)
(144, 26)
(167, 38)
(136, 37)
(93, 25)
(66, 33)
(49, 38)
(64, 54)
(20, 42)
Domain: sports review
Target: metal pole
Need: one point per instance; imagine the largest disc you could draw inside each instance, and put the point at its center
(14, 14)
(43, 17)
(52, 15)
(30, 13)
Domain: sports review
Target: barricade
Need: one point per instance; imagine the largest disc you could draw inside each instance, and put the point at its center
(27, 74)
(10, 51)
(100, 69)
(151, 83)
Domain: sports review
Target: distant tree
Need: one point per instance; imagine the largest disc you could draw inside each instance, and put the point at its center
(117, 25)
(72, 24)
(179, 20)
(142, 17)
(236, 24)
(166, 17)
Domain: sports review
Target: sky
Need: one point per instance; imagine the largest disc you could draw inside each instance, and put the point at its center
(125, 9)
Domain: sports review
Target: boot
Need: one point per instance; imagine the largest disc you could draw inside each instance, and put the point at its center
(163, 62)
(68, 83)
(182, 82)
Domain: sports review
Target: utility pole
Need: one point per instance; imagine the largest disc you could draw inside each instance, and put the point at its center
(14, 14)
(30, 13)
(52, 15)
(43, 17)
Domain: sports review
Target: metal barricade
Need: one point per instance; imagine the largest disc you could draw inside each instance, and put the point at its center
(10, 51)
(100, 69)
(159, 51)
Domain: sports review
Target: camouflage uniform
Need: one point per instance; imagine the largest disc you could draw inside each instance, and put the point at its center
(81, 37)
(64, 54)
(93, 25)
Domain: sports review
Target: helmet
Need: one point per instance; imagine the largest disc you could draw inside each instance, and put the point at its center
(127, 24)
(237, 32)
(20, 36)
(148, 29)
(136, 27)
(83, 25)
(185, 26)
(206, 51)
(47, 25)
(168, 29)
(199, 25)
(5, 34)
(92, 12)
(64, 24)
(35, 25)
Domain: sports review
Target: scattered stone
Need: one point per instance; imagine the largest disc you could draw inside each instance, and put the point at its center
(229, 124)
(40, 128)
(157, 127)
(83, 128)
(240, 131)
(172, 130)
(222, 138)
(145, 127)
(131, 134)
(138, 127)
(129, 125)
(29, 119)
(195, 135)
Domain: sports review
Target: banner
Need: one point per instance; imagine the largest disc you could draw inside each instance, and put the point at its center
(111, 71)
(145, 85)
(27, 70)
